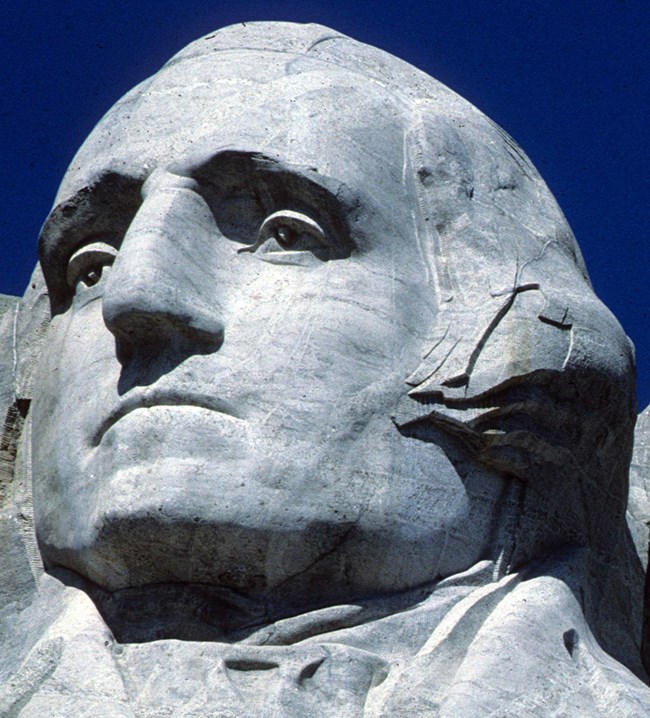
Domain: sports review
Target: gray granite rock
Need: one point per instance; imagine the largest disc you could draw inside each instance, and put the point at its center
(320, 412)
(639, 502)
(638, 513)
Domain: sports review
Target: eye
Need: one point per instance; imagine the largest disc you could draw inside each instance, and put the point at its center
(287, 230)
(88, 264)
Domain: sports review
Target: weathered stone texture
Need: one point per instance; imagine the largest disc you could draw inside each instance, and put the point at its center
(313, 411)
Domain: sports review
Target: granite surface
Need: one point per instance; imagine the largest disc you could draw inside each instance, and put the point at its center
(310, 408)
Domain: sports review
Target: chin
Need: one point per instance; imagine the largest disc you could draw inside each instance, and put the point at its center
(151, 547)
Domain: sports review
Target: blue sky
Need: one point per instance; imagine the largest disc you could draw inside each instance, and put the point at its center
(568, 79)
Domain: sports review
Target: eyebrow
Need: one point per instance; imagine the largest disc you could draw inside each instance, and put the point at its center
(230, 163)
(105, 207)
(295, 187)
(110, 190)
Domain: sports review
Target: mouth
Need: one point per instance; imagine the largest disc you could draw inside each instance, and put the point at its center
(150, 398)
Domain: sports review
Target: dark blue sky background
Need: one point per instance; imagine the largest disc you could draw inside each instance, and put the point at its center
(568, 79)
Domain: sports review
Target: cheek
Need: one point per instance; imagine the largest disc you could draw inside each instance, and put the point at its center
(345, 318)
(76, 377)
(418, 513)
(79, 357)
(74, 384)
(57, 366)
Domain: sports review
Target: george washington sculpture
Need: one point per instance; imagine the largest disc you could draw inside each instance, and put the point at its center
(313, 411)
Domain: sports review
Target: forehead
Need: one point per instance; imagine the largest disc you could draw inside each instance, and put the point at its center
(304, 111)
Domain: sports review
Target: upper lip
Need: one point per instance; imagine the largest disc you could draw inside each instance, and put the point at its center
(155, 397)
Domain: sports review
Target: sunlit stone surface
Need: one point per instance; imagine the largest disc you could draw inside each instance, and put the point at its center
(311, 410)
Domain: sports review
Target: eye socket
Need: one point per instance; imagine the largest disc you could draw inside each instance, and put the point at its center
(287, 230)
(88, 264)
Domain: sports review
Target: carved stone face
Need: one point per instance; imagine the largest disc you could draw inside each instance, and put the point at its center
(239, 297)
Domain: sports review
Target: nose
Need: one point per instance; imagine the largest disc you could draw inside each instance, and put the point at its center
(160, 296)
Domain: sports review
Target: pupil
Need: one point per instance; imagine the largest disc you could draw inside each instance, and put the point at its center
(284, 237)
(92, 276)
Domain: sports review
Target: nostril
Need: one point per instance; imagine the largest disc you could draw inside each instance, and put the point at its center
(163, 335)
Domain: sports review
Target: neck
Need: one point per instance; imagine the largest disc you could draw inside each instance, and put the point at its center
(200, 612)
